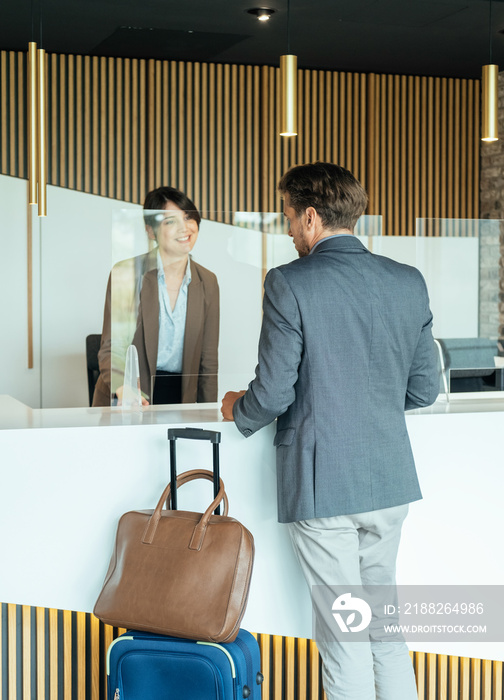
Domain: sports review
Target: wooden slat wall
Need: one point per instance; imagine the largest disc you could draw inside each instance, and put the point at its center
(119, 127)
(60, 655)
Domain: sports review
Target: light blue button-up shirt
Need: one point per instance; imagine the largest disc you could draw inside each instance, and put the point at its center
(171, 323)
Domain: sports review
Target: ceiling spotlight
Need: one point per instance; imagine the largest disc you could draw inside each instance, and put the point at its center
(263, 14)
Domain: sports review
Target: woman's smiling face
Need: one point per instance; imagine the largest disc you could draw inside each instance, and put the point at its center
(175, 232)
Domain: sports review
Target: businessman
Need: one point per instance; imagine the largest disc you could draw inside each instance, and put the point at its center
(345, 348)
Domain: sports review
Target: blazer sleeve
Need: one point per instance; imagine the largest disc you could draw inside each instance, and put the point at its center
(280, 349)
(209, 362)
(423, 379)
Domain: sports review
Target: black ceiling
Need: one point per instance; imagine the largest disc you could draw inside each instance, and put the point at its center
(414, 37)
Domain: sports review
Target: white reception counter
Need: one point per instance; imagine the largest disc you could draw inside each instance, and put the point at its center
(68, 475)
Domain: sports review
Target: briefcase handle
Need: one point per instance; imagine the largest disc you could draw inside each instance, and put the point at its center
(201, 526)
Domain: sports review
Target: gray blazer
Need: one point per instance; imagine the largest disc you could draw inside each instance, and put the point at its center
(345, 347)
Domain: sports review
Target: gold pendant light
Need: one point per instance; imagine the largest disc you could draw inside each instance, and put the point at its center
(288, 87)
(490, 96)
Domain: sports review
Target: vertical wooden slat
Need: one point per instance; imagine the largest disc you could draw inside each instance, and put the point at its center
(272, 140)
(53, 654)
(78, 123)
(264, 153)
(94, 646)
(442, 677)
(204, 138)
(166, 102)
(314, 661)
(181, 174)
(27, 660)
(81, 656)
(277, 667)
(453, 678)
(437, 148)
(396, 199)
(226, 141)
(96, 106)
(497, 681)
(256, 203)
(419, 664)
(476, 145)
(362, 140)
(211, 138)
(111, 128)
(3, 98)
(127, 130)
(103, 127)
(197, 133)
(450, 150)
(464, 110)
(431, 678)
(151, 123)
(119, 145)
(289, 668)
(429, 149)
(465, 676)
(12, 100)
(70, 74)
(21, 125)
(134, 131)
(63, 143)
(456, 149)
(11, 650)
(384, 165)
(189, 131)
(142, 124)
(87, 124)
(423, 150)
(156, 136)
(41, 665)
(67, 654)
(264, 647)
(242, 139)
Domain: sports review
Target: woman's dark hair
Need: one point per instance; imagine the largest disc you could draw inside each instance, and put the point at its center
(156, 199)
(331, 190)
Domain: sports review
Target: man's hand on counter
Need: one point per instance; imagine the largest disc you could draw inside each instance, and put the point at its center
(228, 402)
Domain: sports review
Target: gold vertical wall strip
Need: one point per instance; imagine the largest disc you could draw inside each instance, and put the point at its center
(277, 674)
(41, 665)
(54, 83)
(78, 124)
(4, 103)
(188, 128)
(151, 124)
(21, 135)
(27, 659)
(442, 676)
(456, 150)
(431, 678)
(464, 109)
(42, 132)
(465, 678)
(234, 135)
(11, 650)
(181, 141)
(95, 187)
(423, 150)
(450, 149)
(94, 648)
(204, 139)
(126, 165)
(67, 654)
(71, 122)
(63, 102)
(142, 125)
(87, 124)
(197, 134)
(429, 164)
(111, 88)
(242, 137)
(103, 127)
(119, 143)
(211, 137)
(12, 100)
(497, 681)
(32, 123)
(81, 655)
(226, 145)
(158, 148)
(218, 106)
(264, 155)
(453, 678)
(165, 173)
(134, 131)
(53, 654)
(476, 145)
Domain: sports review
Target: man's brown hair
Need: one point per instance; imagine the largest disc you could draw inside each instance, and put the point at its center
(338, 198)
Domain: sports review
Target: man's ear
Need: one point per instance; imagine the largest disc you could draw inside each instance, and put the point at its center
(311, 216)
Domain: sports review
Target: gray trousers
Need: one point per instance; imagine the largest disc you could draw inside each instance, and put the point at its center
(354, 550)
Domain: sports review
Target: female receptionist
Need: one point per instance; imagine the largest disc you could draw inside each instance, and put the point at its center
(166, 305)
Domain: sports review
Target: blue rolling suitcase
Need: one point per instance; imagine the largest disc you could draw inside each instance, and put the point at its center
(145, 666)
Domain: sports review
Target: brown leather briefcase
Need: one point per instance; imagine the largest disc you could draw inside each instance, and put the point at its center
(179, 573)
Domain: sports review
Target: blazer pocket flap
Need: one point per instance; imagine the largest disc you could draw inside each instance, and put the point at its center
(284, 437)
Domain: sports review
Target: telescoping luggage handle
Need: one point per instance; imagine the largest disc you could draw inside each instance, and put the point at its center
(193, 434)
